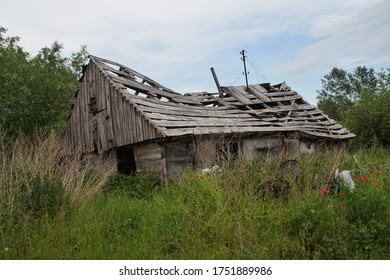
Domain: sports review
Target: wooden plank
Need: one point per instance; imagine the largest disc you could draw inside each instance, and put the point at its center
(101, 131)
(281, 94)
(149, 106)
(149, 147)
(122, 106)
(286, 108)
(258, 92)
(153, 165)
(190, 112)
(133, 129)
(312, 120)
(239, 95)
(176, 97)
(119, 111)
(158, 103)
(231, 123)
(222, 130)
(286, 98)
(159, 116)
(229, 130)
(128, 123)
(150, 151)
(104, 64)
(150, 156)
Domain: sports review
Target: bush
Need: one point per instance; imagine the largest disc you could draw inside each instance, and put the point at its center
(39, 183)
(41, 196)
(368, 216)
(142, 185)
(319, 228)
(232, 215)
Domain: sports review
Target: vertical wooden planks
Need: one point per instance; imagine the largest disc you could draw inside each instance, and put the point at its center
(113, 122)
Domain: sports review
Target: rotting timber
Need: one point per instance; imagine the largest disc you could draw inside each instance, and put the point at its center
(120, 112)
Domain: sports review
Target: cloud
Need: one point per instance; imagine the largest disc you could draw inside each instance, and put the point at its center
(348, 40)
(176, 41)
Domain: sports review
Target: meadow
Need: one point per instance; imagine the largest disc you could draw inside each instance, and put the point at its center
(56, 207)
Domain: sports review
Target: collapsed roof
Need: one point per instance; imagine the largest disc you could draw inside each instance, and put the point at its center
(262, 108)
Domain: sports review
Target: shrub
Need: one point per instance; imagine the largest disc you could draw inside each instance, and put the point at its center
(141, 185)
(38, 182)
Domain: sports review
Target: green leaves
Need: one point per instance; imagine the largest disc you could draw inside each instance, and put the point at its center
(360, 100)
(369, 118)
(36, 93)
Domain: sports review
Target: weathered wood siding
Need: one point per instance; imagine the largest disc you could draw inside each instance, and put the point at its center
(103, 118)
(150, 156)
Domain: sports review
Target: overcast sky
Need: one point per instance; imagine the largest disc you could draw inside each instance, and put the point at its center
(176, 42)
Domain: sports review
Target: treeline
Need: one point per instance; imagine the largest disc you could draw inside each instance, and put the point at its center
(360, 100)
(36, 92)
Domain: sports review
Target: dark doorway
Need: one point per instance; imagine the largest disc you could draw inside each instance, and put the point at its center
(125, 161)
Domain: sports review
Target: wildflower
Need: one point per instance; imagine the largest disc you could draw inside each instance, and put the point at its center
(366, 179)
(361, 178)
(377, 173)
(369, 169)
(201, 177)
(388, 168)
(325, 191)
(343, 194)
(376, 182)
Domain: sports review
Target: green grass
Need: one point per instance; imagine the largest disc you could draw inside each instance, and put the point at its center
(233, 215)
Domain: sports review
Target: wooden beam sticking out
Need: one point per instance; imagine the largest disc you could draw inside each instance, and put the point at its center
(216, 81)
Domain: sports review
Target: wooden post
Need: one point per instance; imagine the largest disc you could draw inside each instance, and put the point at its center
(216, 81)
(245, 72)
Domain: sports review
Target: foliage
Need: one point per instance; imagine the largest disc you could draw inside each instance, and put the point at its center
(369, 118)
(229, 215)
(360, 100)
(142, 186)
(36, 92)
(38, 183)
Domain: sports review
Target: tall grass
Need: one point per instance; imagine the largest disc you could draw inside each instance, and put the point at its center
(38, 181)
(234, 214)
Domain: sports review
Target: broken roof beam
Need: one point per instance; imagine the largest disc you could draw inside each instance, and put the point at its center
(237, 94)
(216, 81)
(106, 65)
(256, 91)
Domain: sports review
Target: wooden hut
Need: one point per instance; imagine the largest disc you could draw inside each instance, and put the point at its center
(121, 113)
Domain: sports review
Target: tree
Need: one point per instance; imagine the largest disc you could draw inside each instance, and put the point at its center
(361, 101)
(369, 119)
(341, 90)
(36, 93)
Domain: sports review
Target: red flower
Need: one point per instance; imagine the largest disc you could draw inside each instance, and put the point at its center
(378, 173)
(343, 194)
(366, 179)
(369, 169)
(361, 178)
(376, 182)
(388, 168)
(201, 177)
(325, 191)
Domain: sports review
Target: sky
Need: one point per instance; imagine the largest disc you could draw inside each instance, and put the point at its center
(177, 42)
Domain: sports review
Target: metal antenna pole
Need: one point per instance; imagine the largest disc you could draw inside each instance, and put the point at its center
(245, 72)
